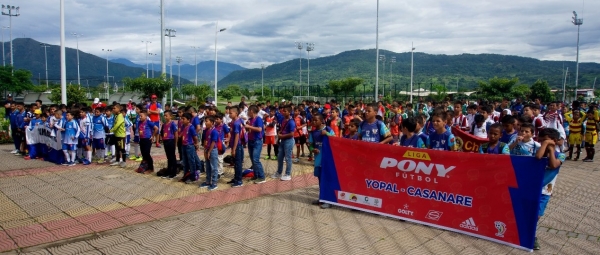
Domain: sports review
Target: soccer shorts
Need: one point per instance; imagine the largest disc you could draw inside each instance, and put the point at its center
(84, 142)
(297, 141)
(157, 123)
(269, 139)
(69, 147)
(302, 139)
(575, 138)
(591, 138)
(99, 144)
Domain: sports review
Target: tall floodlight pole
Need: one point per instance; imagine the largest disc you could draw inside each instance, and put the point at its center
(163, 64)
(170, 33)
(299, 46)
(217, 30)
(262, 80)
(3, 60)
(107, 81)
(565, 85)
(309, 47)
(147, 70)
(382, 59)
(377, 55)
(46, 54)
(152, 61)
(577, 22)
(412, 51)
(196, 65)
(63, 58)
(178, 60)
(392, 61)
(78, 77)
(14, 11)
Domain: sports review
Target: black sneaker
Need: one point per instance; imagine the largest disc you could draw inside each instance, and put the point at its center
(536, 245)
(254, 178)
(231, 182)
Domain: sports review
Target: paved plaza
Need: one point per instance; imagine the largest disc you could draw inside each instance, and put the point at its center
(98, 209)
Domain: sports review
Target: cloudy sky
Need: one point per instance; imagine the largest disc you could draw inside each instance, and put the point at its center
(264, 31)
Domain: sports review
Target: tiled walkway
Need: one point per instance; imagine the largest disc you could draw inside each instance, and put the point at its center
(107, 210)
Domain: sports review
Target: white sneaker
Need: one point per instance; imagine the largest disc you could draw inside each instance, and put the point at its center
(276, 176)
(114, 164)
(113, 160)
(123, 164)
(14, 152)
(296, 160)
(286, 178)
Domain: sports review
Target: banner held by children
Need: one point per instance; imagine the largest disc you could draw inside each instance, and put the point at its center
(45, 145)
(466, 142)
(493, 197)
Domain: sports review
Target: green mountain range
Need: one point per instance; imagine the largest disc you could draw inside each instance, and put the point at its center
(466, 69)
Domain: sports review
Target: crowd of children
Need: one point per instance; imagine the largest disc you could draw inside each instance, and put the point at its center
(526, 130)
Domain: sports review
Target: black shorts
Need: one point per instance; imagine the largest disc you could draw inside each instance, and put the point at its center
(301, 140)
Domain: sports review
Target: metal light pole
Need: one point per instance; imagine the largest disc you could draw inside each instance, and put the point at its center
(107, 81)
(46, 54)
(163, 65)
(3, 60)
(262, 80)
(78, 77)
(12, 11)
(382, 59)
(217, 30)
(63, 57)
(196, 65)
(309, 47)
(392, 61)
(170, 33)
(577, 22)
(377, 54)
(178, 60)
(565, 85)
(152, 61)
(411, 71)
(147, 71)
(299, 46)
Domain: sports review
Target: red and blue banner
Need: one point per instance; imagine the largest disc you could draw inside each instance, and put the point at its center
(467, 142)
(493, 197)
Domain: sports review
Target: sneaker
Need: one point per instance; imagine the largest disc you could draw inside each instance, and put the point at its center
(14, 152)
(113, 160)
(325, 205)
(157, 145)
(65, 163)
(71, 163)
(276, 176)
(316, 202)
(286, 178)
(260, 180)
(302, 155)
(575, 159)
(231, 182)
(204, 185)
(18, 153)
(123, 164)
(296, 160)
(310, 159)
(211, 188)
(101, 161)
(139, 159)
(254, 178)
(27, 158)
(536, 245)
(588, 160)
(568, 158)
(274, 158)
(114, 163)
(133, 157)
(237, 184)
(267, 157)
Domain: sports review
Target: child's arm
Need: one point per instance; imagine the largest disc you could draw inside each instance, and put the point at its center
(543, 149)
(553, 162)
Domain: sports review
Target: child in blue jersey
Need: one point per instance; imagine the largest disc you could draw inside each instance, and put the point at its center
(255, 127)
(421, 120)
(189, 145)
(352, 130)
(237, 149)
(409, 137)
(84, 149)
(211, 155)
(442, 138)
(316, 136)
(128, 125)
(223, 130)
(169, 136)
(99, 125)
(494, 146)
(70, 135)
(509, 134)
(147, 129)
(373, 130)
(33, 148)
(110, 119)
(286, 135)
(548, 137)
(524, 145)
(136, 135)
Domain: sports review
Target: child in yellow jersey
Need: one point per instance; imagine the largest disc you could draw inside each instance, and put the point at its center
(591, 136)
(575, 136)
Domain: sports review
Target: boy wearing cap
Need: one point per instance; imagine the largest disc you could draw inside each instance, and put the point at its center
(154, 110)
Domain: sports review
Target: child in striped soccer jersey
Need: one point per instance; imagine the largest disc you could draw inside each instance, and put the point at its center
(147, 129)
(70, 133)
(99, 125)
(591, 136)
(575, 134)
(395, 122)
(84, 147)
(189, 143)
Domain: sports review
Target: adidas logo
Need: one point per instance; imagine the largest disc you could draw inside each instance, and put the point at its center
(469, 224)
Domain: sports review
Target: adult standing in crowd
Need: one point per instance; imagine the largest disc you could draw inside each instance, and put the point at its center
(154, 109)
(98, 104)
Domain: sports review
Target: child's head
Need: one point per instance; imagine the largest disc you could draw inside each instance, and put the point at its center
(233, 112)
(526, 131)
(457, 108)
(108, 110)
(58, 114)
(353, 126)
(317, 120)
(186, 117)
(252, 111)
(335, 112)
(485, 110)
(472, 109)
(286, 111)
(168, 115)
(116, 109)
(43, 117)
(535, 109)
(209, 121)
(409, 125)
(590, 114)
(371, 112)
(508, 123)
(98, 111)
(69, 115)
(439, 117)
(143, 115)
(479, 120)
(552, 107)
(548, 134)
(495, 132)
(576, 115)
(449, 116)
(272, 111)
(219, 118)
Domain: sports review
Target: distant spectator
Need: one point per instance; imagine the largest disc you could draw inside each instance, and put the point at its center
(98, 104)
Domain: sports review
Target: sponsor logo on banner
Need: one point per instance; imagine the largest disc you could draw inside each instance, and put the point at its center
(417, 170)
(360, 199)
(405, 211)
(469, 224)
(501, 227)
(434, 215)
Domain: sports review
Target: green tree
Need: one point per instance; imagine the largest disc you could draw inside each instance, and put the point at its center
(440, 92)
(350, 84)
(199, 93)
(227, 94)
(74, 95)
(150, 86)
(335, 86)
(541, 90)
(521, 91)
(234, 89)
(15, 80)
(497, 88)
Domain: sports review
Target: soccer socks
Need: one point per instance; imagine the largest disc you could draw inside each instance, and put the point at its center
(80, 153)
(67, 156)
(136, 149)
(73, 156)
(88, 155)
(269, 150)
(112, 150)
(127, 148)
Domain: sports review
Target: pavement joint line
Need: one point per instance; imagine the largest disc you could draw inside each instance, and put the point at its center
(569, 234)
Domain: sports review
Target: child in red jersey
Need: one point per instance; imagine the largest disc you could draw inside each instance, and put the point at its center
(334, 122)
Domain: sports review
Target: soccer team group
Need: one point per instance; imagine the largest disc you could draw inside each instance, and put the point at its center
(534, 129)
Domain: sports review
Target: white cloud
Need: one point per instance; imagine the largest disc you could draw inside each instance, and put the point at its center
(264, 31)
